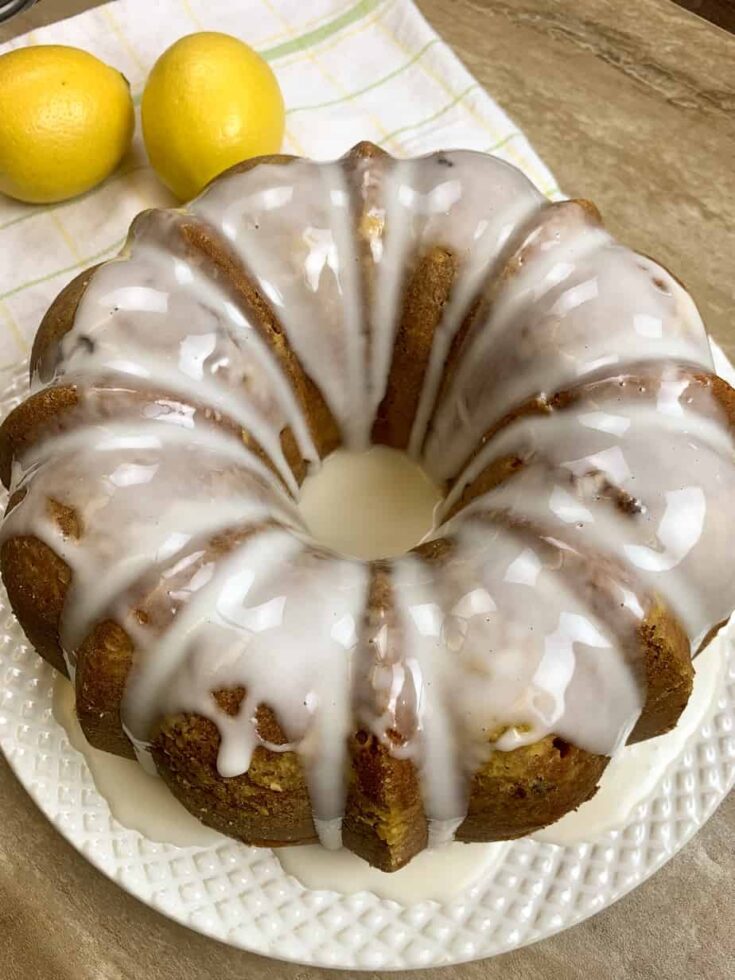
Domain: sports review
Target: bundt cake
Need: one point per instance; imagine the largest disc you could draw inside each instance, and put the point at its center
(558, 386)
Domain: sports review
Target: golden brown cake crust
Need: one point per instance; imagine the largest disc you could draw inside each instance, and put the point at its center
(56, 323)
(32, 420)
(512, 794)
(103, 664)
(428, 288)
(268, 805)
(518, 792)
(37, 580)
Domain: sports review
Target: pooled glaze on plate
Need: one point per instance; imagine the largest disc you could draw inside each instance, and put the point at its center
(142, 802)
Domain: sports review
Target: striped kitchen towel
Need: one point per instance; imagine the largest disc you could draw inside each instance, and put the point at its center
(349, 70)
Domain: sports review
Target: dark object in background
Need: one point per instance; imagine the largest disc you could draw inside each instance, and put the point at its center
(10, 7)
(720, 12)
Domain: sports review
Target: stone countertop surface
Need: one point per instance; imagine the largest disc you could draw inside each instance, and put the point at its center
(631, 104)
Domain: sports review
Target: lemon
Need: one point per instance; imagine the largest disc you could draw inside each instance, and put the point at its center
(209, 102)
(66, 119)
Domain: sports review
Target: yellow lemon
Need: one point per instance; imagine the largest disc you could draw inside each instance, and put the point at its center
(209, 102)
(66, 119)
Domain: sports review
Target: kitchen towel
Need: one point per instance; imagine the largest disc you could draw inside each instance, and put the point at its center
(371, 69)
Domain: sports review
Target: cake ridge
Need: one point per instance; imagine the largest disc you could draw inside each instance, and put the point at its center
(250, 315)
(576, 302)
(252, 489)
(599, 385)
(565, 451)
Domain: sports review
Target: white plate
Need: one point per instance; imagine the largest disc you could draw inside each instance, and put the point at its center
(242, 896)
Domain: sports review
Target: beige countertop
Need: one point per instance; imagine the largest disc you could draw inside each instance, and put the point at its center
(632, 104)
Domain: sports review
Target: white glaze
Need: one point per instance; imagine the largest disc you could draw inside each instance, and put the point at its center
(512, 638)
(127, 529)
(636, 770)
(679, 464)
(295, 613)
(158, 320)
(579, 303)
(172, 367)
(293, 227)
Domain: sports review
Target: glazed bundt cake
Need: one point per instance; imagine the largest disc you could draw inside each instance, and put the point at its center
(558, 386)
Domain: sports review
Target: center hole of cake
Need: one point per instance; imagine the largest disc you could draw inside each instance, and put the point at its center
(375, 504)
